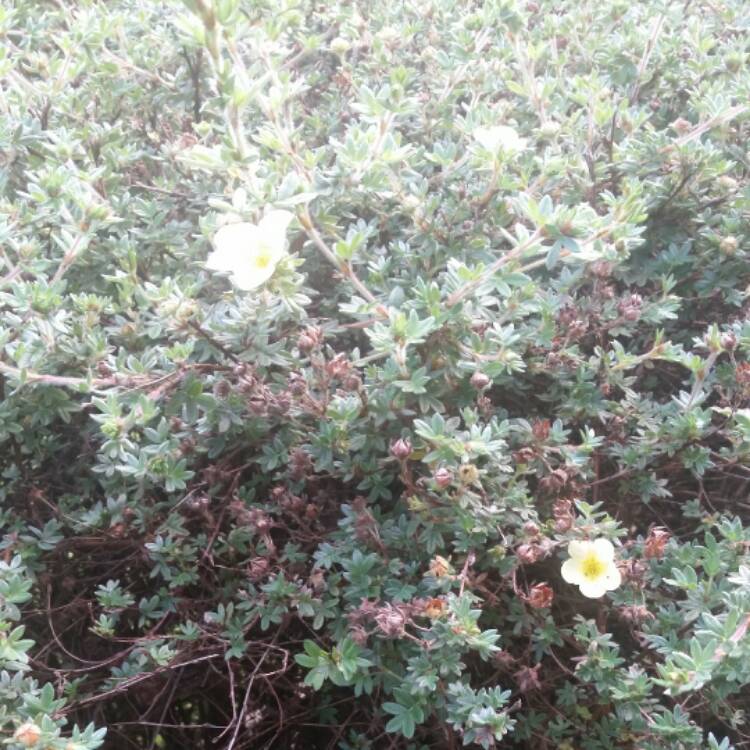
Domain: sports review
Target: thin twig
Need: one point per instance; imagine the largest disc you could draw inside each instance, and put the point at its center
(493, 268)
(245, 700)
(345, 268)
(712, 122)
(470, 558)
(60, 380)
(203, 333)
(647, 52)
(150, 74)
(128, 683)
(67, 260)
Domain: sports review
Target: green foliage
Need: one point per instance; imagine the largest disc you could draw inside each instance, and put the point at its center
(331, 511)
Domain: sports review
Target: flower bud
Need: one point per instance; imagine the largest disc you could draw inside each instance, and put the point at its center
(305, 342)
(352, 382)
(309, 339)
(728, 341)
(528, 553)
(681, 126)
(567, 227)
(635, 614)
(443, 477)
(480, 381)
(630, 307)
(401, 449)
(563, 524)
(530, 529)
(240, 370)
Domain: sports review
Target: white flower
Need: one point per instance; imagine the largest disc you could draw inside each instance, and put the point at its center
(592, 568)
(250, 252)
(499, 138)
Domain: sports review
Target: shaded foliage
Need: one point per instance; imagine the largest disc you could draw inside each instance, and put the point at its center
(331, 512)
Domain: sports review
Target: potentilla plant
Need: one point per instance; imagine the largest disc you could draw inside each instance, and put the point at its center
(374, 376)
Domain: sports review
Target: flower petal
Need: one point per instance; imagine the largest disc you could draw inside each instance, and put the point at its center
(250, 277)
(221, 260)
(272, 228)
(593, 589)
(579, 550)
(612, 578)
(571, 571)
(499, 137)
(236, 238)
(486, 139)
(604, 549)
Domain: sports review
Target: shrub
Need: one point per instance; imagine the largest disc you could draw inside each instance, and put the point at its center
(374, 375)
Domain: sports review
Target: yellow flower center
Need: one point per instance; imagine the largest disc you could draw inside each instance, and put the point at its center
(593, 567)
(263, 259)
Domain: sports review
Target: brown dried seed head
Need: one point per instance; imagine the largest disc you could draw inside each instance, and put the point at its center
(439, 567)
(468, 473)
(528, 678)
(655, 543)
(27, 734)
(540, 596)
